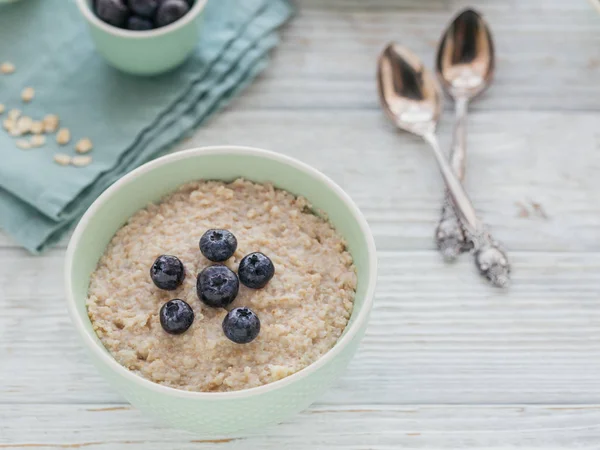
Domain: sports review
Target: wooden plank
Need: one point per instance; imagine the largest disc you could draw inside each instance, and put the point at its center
(438, 334)
(547, 53)
(354, 427)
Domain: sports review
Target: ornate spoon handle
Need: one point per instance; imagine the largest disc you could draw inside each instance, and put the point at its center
(490, 259)
(449, 234)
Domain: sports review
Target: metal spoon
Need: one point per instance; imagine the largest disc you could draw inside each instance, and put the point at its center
(411, 98)
(464, 66)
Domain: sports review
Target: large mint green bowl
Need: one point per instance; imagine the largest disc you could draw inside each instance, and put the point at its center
(229, 412)
(145, 52)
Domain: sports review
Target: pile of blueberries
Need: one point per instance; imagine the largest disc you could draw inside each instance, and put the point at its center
(216, 286)
(141, 15)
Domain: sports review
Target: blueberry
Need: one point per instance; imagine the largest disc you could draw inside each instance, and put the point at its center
(217, 286)
(144, 8)
(241, 325)
(255, 270)
(167, 272)
(170, 11)
(138, 23)
(113, 12)
(176, 316)
(218, 245)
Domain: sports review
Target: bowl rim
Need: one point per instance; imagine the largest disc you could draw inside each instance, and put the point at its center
(86, 11)
(109, 361)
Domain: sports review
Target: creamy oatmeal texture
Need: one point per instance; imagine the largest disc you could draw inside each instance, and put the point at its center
(303, 310)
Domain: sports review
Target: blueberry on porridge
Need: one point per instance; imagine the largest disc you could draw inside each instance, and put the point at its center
(218, 245)
(217, 286)
(167, 272)
(256, 270)
(241, 325)
(176, 316)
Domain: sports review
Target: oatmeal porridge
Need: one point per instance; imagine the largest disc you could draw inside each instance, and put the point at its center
(303, 309)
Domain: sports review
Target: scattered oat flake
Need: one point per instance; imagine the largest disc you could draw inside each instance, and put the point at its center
(63, 136)
(50, 128)
(51, 122)
(62, 158)
(14, 114)
(24, 124)
(51, 118)
(7, 68)
(84, 145)
(23, 144)
(37, 140)
(8, 124)
(81, 161)
(1, 108)
(27, 94)
(14, 132)
(37, 127)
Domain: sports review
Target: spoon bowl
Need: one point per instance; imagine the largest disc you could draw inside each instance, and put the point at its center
(408, 91)
(465, 57)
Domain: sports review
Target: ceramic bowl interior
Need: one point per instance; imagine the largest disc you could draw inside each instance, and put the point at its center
(228, 412)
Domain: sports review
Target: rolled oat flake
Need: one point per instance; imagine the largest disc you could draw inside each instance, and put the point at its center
(7, 68)
(62, 158)
(63, 136)
(8, 124)
(24, 124)
(14, 114)
(51, 122)
(23, 144)
(81, 161)
(37, 140)
(84, 145)
(37, 127)
(27, 94)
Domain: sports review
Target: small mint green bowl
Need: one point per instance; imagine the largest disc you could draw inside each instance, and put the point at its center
(220, 413)
(145, 52)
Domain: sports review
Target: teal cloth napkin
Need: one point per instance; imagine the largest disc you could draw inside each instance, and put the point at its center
(129, 119)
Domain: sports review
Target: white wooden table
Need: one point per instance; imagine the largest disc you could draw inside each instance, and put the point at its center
(448, 362)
